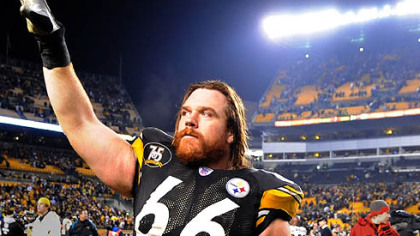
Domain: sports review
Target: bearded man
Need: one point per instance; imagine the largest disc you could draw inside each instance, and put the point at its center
(196, 183)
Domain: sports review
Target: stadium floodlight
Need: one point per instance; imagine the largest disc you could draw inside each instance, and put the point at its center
(285, 25)
(408, 7)
(41, 125)
(30, 124)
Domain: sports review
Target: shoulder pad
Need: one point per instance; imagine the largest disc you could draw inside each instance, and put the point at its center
(155, 135)
(279, 193)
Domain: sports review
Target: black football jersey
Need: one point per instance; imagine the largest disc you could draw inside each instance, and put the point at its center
(171, 198)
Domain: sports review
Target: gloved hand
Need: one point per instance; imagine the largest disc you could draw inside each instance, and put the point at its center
(39, 18)
(48, 32)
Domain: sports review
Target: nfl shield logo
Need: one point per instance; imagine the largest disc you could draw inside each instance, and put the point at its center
(204, 171)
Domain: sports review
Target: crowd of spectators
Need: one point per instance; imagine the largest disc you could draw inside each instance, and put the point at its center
(336, 201)
(68, 196)
(66, 160)
(22, 85)
(69, 192)
(387, 73)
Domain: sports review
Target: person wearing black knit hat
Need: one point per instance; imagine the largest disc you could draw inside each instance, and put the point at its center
(376, 223)
(11, 226)
(323, 225)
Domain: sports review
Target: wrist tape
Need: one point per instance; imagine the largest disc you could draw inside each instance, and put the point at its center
(53, 49)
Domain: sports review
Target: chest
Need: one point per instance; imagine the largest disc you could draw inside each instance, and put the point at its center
(178, 200)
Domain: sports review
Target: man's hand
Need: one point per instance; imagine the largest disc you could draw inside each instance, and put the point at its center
(48, 32)
(39, 18)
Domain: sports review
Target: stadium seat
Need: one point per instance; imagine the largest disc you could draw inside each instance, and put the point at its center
(261, 118)
(411, 86)
(274, 92)
(307, 95)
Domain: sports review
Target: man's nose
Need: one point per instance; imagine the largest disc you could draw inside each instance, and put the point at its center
(192, 120)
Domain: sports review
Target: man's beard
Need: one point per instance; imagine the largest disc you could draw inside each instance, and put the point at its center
(197, 151)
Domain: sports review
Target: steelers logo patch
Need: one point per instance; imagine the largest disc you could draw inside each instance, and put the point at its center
(237, 187)
(156, 155)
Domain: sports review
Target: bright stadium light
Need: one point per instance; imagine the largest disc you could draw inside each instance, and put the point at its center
(284, 25)
(41, 125)
(30, 124)
(408, 7)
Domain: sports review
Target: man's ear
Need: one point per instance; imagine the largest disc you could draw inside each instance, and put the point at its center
(231, 137)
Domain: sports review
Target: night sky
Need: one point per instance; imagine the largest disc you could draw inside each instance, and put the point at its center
(165, 45)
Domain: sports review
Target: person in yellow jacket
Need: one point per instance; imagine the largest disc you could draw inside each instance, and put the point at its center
(48, 222)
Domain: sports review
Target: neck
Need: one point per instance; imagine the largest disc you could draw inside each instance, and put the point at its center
(222, 164)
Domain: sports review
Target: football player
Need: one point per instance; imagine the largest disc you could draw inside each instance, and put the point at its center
(195, 183)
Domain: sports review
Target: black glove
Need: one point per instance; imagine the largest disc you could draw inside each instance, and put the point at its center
(49, 33)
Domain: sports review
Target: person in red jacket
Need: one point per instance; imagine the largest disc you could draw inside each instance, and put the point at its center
(376, 223)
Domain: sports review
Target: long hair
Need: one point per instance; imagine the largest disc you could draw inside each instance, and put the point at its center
(236, 122)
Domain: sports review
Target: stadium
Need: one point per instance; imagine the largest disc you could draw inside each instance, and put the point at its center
(339, 116)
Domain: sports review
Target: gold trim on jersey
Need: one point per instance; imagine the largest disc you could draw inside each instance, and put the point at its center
(260, 220)
(153, 162)
(138, 150)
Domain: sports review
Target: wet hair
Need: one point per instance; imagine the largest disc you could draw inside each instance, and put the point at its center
(236, 121)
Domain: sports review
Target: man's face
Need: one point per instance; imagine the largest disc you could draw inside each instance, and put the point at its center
(382, 218)
(202, 135)
(83, 215)
(322, 223)
(42, 208)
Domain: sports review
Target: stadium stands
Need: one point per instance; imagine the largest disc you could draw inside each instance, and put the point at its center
(357, 84)
(36, 163)
(30, 171)
(23, 95)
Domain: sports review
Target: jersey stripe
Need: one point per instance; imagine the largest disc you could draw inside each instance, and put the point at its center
(296, 194)
(260, 220)
(138, 150)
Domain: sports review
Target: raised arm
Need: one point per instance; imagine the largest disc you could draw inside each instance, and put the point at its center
(109, 156)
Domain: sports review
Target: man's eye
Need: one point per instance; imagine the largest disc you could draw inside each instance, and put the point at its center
(207, 114)
(183, 113)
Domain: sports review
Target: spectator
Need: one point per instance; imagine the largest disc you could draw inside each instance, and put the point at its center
(67, 222)
(83, 226)
(10, 226)
(48, 222)
(323, 225)
(295, 228)
(114, 230)
(376, 223)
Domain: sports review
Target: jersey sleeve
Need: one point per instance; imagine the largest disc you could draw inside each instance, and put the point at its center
(281, 198)
(148, 135)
